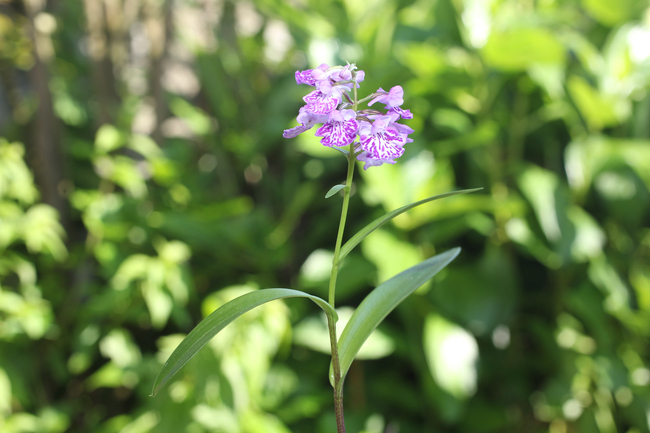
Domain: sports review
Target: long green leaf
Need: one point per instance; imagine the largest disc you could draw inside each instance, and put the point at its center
(361, 234)
(219, 319)
(381, 301)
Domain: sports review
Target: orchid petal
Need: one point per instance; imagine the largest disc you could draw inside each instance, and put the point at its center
(320, 103)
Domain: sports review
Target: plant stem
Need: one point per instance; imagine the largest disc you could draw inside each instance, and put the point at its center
(344, 211)
(339, 237)
(338, 382)
(331, 322)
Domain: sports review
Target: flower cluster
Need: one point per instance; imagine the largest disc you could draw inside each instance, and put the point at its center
(381, 138)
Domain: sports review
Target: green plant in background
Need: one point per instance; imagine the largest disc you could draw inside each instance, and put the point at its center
(27, 228)
(381, 140)
(152, 127)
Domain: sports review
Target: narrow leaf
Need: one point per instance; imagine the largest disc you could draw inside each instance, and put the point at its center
(361, 234)
(219, 319)
(381, 301)
(333, 190)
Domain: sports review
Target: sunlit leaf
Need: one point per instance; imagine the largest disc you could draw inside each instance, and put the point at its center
(159, 303)
(403, 254)
(585, 159)
(423, 175)
(118, 345)
(43, 232)
(518, 49)
(108, 138)
(451, 354)
(144, 145)
(381, 301)
(16, 181)
(589, 237)
(539, 186)
(598, 109)
(425, 60)
(218, 320)
(196, 119)
(311, 145)
(611, 12)
(5, 392)
(110, 375)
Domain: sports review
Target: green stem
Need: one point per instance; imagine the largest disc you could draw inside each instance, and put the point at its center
(338, 380)
(331, 323)
(339, 237)
(346, 203)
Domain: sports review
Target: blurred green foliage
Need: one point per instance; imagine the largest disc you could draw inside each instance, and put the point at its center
(159, 187)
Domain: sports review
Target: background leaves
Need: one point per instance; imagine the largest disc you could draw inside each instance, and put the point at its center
(144, 182)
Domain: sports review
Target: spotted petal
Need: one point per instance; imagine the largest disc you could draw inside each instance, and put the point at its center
(338, 133)
(372, 162)
(384, 145)
(320, 103)
(305, 77)
(404, 114)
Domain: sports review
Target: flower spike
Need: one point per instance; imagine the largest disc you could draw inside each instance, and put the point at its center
(381, 138)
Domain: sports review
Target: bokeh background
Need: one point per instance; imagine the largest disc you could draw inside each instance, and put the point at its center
(144, 181)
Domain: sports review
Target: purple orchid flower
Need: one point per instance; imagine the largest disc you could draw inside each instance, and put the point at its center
(304, 77)
(319, 102)
(373, 162)
(342, 74)
(393, 98)
(404, 114)
(323, 72)
(381, 139)
(340, 130)
(361, 75)
(311, 76)
(307, 121)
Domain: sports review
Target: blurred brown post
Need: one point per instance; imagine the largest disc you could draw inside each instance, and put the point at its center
(43, 140)
(159, 24)
(102, 67)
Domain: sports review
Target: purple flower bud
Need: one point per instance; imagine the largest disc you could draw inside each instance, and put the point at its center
(342, 74)
(321, 73)
(394, 98)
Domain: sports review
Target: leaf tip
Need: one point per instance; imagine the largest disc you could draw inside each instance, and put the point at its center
(455, 252)
(158, 384)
